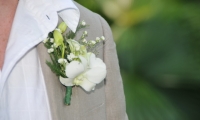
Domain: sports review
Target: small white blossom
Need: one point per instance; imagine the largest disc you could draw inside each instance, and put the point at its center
(51, 40)
(85, 33)
(102, 37)
(55, 45)
(90, 43)
(77, 47)
(97, 38)
(83, 23)
(84, 41)
(45, 40)
(62, 61)
(93, 42)
(50, 50)
(71, 56)
(52, 46)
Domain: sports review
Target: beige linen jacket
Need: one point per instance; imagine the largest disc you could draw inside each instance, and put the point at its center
(107, 101)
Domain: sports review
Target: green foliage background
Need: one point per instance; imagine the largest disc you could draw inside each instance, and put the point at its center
(158, 44)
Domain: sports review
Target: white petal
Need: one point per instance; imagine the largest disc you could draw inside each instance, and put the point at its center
(73, 69)
(87, 85)
(97, 63)
(92, 57)
(96, 75)
(66, 81)
(84, 61)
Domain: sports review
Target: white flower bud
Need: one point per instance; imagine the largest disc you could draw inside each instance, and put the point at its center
(45, 40)
(85, 33)
(71, 56)
(102, 37)
(50, 50)
(83, 23)
(51, 40)
(55, 45)
(93, 42)
(84, 40)
(62, 61)
(65, 61)
(97, 38)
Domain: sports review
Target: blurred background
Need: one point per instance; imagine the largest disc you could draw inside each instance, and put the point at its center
(158, 45)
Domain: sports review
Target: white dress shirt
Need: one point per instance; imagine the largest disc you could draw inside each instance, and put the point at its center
(23, 93)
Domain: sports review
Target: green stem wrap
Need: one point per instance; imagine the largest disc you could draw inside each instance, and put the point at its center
(68, 95)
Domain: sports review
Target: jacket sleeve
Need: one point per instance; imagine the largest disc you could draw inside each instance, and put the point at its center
(115, 99)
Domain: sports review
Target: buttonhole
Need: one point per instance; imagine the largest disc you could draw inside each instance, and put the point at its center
(48, 17)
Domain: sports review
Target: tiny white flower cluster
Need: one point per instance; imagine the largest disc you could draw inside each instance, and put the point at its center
(52, 46)
(50, 50)
(83, 23)
(62, 61)
(102, 37)
(71, 56)
(55, 45)
(93, 42)
(51, 40)
(85, 34)
(45, 40)
(84, 41)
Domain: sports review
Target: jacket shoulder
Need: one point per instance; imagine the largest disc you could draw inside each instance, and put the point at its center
(97, 24)
(91, 17)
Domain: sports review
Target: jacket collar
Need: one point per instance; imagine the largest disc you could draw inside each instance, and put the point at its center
(34, 19)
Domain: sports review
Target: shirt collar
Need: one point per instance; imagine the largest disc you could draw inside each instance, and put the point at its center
(66, 9)
(69, 13)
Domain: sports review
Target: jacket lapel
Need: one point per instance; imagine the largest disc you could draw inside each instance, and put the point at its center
(84, 106)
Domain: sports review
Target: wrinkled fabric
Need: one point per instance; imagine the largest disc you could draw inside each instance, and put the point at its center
(23, 94)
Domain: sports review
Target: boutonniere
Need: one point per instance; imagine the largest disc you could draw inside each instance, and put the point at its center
(74, 61)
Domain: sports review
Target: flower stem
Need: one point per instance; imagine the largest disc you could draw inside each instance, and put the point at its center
(68, 95)
(63, 50)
